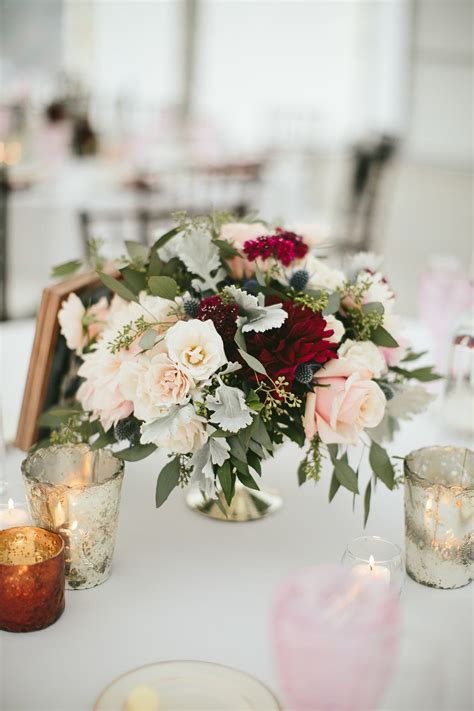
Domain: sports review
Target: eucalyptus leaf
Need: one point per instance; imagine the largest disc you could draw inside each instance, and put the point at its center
(367, 496)
(334, 301)
(66, 269)
(135, 453)
(163, 286)
(381, 465)
(225, 478)
(333, 487)
(148, 339)
(161, 241)
(381, 337)
(346, 475)
(253, 362)
(239, 338)
(133, 279)
(137, 251)
(155, 265)
(118, 287)
(168, 479)
(373, 307)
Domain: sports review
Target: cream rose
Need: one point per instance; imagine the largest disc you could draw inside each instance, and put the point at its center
(196, 347)
(237, 233)
(364, 353)
(337, 326)
(154, 383)
(70, 318)
(349, 402)
(181, 430)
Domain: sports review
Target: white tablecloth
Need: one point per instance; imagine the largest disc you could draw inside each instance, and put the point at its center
(184, 587)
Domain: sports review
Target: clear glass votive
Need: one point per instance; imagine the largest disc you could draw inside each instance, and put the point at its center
(75, 491)
(31, 578)
(374, 558)
(439, 508)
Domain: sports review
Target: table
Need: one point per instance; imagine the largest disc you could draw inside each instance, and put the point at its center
(185, 587)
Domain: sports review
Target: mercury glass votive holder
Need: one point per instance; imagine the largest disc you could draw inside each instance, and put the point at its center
(439, 507)
(75, 491)
(31, 578)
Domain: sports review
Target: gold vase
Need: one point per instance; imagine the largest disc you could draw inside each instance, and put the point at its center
(247, 504)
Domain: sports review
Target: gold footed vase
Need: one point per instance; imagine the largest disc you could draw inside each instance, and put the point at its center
(247, 504)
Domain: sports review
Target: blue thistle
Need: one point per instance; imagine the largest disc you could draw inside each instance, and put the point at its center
(191, 307)
(250, 285)
(304, 373)
(299, 279)
(387, 391)
(126, 429)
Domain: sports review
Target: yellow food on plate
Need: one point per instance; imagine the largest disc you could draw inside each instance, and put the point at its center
(142, 698)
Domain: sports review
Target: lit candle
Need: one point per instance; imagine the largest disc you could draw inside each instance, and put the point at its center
(12, 515)
(374, 570)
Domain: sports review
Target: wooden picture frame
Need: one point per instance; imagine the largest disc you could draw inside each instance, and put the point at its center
(49, 355)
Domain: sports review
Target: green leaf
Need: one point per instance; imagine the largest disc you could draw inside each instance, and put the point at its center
(411, 355)
(163, 286)
(381, 337)
(148, 339)
(239, 338)
(301, 473)
(137, 251)
(332, 449)
(167, 480)
(227, 251)
(240, 466)
(334, 301)
(161, 241)
(261, 435)
(254, 462)
(259, 275)
(103, 440)
(225, 478)
(346, 475)
(253, 401)
(333, 486)
(367, 495)
(66, 269)
(424, 375)
(133, 279)
(136, 452)
(373, 307)
(248, 481)
(156, 265)
(381, 465)
(117, 286)
(254, 363)
(170, 268)
(257, 448)
(236, 449)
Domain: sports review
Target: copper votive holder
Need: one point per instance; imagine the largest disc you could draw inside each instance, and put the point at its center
(31, 578)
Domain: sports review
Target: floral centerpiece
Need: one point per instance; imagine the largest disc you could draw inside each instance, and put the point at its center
(225, 339)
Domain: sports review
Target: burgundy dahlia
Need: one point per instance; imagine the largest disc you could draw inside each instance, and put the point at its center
(284, 246)
(303, 338)
(222, 315)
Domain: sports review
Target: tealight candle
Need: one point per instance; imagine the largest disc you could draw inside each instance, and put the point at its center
(13, 514)
(373, 558)
(373, 571)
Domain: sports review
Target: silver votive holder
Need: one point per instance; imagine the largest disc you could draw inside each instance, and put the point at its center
(439, 505)
(75, 491)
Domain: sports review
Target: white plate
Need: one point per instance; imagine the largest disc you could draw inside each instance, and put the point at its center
(191, 686)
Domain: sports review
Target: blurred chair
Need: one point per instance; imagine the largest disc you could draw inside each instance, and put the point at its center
(367, 173)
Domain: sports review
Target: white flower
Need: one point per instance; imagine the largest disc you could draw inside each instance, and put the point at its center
(196, 347)
(181, 430)
(337, 326)
(70, 322)
(365, 354)
(321, 276)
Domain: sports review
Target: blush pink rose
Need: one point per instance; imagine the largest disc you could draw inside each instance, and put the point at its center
(237, 233)
(348, 403)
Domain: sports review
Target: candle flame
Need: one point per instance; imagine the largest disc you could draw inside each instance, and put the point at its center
(371, 562)
(11, 504)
